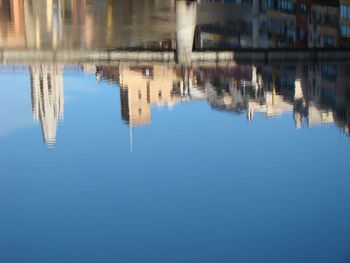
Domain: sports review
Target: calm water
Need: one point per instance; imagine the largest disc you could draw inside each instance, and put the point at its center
(126, 161)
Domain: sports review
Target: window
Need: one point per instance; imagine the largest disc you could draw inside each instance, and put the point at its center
(303, 8)
(329, 41)
(317, 17)
(302, 34)
(270, 4)
(345, 30)
(139, 95)
(345, 12)
(287, 5)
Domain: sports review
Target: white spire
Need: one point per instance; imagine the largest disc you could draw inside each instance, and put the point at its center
(47, 99)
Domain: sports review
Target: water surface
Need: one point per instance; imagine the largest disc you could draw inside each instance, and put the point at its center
(163, 162)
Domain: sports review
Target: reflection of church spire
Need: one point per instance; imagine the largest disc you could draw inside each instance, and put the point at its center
(47, 99)
(131, 137)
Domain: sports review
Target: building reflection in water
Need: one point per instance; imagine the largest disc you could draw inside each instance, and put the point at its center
(157, 85)
(315, 93)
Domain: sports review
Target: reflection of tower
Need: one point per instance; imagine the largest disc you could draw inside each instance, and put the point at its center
(298, 103)
(186, 15)
(47, 98)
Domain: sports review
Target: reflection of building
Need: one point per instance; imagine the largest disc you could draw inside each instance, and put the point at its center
(142, 87)
(225, 87)
(273, 105)
(314, 93)
(47, 98)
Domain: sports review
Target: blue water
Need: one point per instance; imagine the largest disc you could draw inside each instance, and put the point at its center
(195, 185)
(174, 160)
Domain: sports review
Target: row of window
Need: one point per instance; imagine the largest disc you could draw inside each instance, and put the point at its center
(291, 6)
(287, 5)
